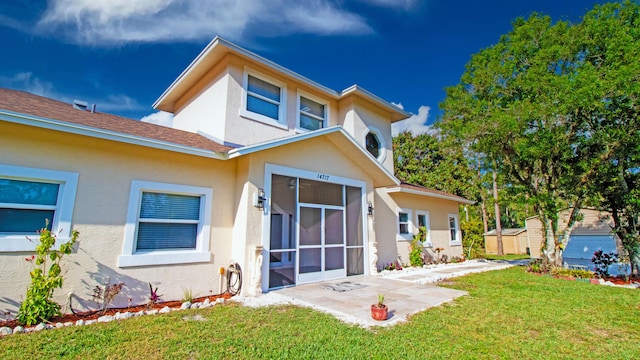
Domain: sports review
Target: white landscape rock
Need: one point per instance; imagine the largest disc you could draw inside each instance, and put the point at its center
(40, 327)
(105, 318)
(220, 301)
(89, 322)
(195, 306)
(206, 303)
(151, 312)
(185, 305)
(68, 323)
(124, 315)
(5, 330)
(18, 330)
(79, 322)
(59, 325)
(165, 310)
(139, 313)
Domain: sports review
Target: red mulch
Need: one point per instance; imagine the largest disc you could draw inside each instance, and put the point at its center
(93, 315)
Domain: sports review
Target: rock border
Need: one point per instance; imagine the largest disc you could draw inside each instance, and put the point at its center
(5, 330)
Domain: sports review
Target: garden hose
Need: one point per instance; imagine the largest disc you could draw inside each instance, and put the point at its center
(234, 279)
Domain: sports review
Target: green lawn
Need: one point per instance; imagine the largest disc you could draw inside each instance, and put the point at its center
(508, 314)
(506, 257)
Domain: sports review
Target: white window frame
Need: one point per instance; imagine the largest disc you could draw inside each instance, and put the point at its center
(383, 145)
(131, 257)
(458, 240)
(282, 106)
(318, 100)
(410, 228)
(427, 242)
(61, 222)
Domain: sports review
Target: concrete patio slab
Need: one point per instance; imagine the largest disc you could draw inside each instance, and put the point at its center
(406, 292)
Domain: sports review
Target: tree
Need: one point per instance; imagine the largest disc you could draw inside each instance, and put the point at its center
(609, 38)
(425, 160)
(539, 103)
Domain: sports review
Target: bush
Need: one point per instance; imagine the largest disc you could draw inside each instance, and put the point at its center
(601, 262)
(38, 305)
(415, 255)
(472, 239)
(539, 266)
(576, 273)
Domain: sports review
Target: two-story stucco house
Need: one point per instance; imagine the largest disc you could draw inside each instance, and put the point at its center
(263, 167)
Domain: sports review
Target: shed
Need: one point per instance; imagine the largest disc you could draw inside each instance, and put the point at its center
(514, 241)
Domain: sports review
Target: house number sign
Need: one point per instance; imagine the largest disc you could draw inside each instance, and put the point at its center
(323, 177)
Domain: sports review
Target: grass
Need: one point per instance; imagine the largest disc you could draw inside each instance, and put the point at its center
(508, 314)
(506, 257)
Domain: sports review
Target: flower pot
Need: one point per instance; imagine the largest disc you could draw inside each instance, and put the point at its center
(379, 312)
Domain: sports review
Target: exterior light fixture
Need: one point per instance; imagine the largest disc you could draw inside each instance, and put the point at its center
(259, 199)
(370, 209)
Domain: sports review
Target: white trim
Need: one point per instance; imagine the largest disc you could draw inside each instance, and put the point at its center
(62, 222)
(130, 257)
(302, 93)
(304, 136)
(52, 124)
(410, 228)
(458, 241)
(218, 47)
(271, 169)
(281, 122)
(383, 145)
(460, 200)
(427, 242)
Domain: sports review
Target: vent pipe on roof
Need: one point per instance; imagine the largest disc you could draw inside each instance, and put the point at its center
(93, 108)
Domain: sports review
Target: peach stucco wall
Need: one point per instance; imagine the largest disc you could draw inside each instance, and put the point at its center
(106, 169)
(386, 227)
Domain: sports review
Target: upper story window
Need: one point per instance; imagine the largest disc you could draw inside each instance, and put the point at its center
(374, 143)
(312, 114)
(29, 198)
(264, 99)
(166, 224)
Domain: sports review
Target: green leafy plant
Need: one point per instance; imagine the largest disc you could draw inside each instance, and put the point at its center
(416, 252)
(380, 300)
(46, 276)
(538, 266)
(187, 295)
(601, 262)
(576, 273)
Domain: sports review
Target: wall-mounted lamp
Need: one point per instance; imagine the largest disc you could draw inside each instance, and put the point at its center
(370, 209)
(259, 199)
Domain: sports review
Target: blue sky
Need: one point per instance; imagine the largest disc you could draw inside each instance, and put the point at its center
(122, 54)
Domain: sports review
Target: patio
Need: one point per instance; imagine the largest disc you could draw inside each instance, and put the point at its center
(406, 292)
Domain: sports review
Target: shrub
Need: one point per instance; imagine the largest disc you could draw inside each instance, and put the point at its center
(576, 273)
(105, 296)
(538, 266)
(415, 255)
(38, 305)
(472, 239)
(601, 262)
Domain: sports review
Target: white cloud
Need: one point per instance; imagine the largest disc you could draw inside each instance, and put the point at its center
(402, 4)
(416, 124)
(26, 81)
(398, 105)
(120, 21)
(159, 118)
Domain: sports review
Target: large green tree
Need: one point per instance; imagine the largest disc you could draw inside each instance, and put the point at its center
(540, 106)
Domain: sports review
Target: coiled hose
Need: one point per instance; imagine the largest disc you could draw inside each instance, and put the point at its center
(234, 279)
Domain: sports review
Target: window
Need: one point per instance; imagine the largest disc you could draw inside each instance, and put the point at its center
(374, 143)
(454, 230)
(166, 224)
(30, 197)
(405, 226)
(312, 115)
(263, 99)
(423, 222)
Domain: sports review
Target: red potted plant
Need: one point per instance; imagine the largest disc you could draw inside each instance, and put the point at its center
(379, 311)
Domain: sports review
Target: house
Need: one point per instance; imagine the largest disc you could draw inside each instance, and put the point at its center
(262, 168)
(514, 241)
(592, 232)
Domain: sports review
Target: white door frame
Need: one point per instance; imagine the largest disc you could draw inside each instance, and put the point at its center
(271, 169)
